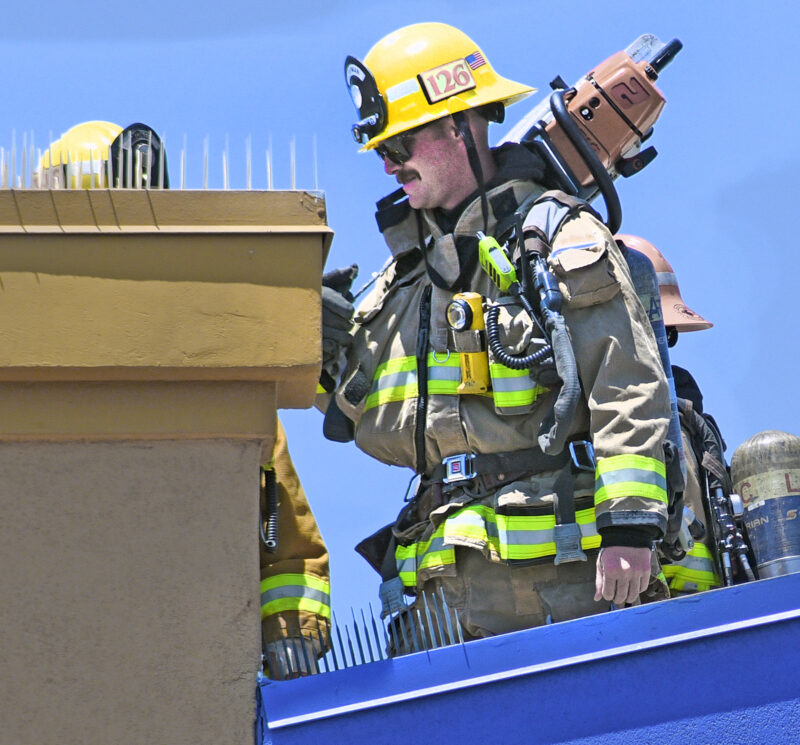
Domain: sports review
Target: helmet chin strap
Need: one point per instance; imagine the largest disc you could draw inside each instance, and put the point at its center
(462, 122)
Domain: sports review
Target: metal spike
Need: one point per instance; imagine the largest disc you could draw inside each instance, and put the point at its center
(24, 163)
(381, 652)
(2, 167)
(292, 161)
(249, 162)
(225, 161)
(333, 647)
(366, 637)
(269, 164)
(92, 184)
(287, 658)
(31, 167)
(147, 177)
(205, 163)
(109, 171)
(431, 637)
(350, 646)
(341, 643)
(358, 636)
(162, 158)
(13, 157)
(183, 163)
(407, 645)
(393, 642)
(120, 163)
(129, 182)
(139, 169)
(458, 626)
(304, 649)
(446, 608)
(322, 645)
(422, 630)
(443, 641)
(316, 169)
(50, 179)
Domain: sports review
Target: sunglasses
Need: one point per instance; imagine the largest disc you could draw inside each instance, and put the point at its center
(398, 148)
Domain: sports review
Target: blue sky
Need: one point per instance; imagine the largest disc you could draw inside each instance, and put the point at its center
(719, 200)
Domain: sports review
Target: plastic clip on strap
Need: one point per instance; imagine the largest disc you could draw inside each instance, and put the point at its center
(567, 532)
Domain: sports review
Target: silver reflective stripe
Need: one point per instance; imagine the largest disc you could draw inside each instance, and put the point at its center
(442, 372)
(697, 563)
(531, 537)
(623, 475)
(667, 279)
(295, 591)
(512, 384)
(394, 380)
(410, 563)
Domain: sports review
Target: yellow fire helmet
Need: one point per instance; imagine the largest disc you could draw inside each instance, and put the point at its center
(676, 312)
(98, 155)
(418, 74)
(79, 159)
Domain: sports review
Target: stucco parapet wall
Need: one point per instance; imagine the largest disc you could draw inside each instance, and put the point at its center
(134, 210)
(124, 286)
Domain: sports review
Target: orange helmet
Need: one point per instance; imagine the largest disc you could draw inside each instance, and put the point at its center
(676, 312)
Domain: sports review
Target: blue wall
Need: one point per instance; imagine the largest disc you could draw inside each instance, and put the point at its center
(721, 667)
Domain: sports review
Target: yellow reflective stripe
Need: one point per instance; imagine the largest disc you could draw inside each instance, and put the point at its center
(423, 555)
(390, 395)
(292, 591)
(696, 569)
(304, 604)
(509, 537)
(513, 387)
(630, 476)
(305, 580)
(396, 380)
(320, 389)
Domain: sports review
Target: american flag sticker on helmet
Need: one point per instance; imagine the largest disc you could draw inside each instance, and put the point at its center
(475, 60)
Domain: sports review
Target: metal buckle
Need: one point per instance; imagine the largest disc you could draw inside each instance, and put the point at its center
(458, 468)
(582, 454)
(568, 543)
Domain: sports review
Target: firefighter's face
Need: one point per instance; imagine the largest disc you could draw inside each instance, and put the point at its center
(437, 173)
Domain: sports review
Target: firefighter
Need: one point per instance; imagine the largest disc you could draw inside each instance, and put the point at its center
(530, 505)
(295, 580)
(100, 154)
(696, 572)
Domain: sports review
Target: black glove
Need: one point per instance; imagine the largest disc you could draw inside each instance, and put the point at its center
(337, 313)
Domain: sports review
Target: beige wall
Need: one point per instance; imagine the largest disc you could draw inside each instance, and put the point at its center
(146, 339)
(130, 610)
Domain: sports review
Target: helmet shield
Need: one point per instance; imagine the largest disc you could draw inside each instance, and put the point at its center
(367, 99)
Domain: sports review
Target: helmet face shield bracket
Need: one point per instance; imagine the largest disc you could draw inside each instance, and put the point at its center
(367, 100)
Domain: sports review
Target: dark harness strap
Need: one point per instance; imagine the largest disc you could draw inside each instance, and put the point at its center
(531, 460)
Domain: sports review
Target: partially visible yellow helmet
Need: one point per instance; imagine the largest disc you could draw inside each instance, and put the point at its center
(100, 155)
(79, 159)
(418, 74)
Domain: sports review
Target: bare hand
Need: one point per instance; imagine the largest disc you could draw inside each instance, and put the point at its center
(623, 572)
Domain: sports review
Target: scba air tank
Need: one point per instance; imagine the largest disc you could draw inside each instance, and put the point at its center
(766, 474)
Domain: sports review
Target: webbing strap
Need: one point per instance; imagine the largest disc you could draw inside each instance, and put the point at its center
(531, 460)
(564, 498)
